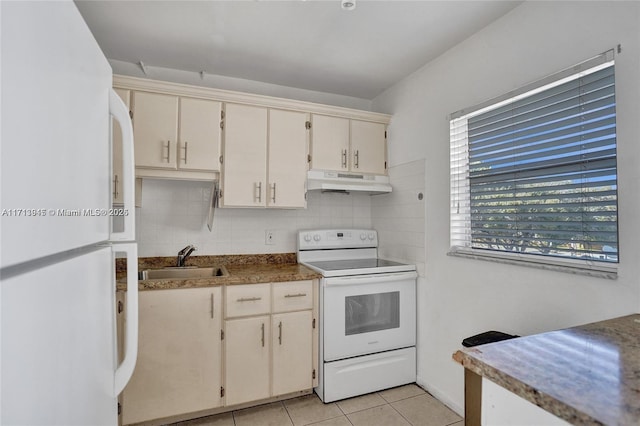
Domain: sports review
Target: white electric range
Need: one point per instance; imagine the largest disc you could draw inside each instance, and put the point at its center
(367, 313)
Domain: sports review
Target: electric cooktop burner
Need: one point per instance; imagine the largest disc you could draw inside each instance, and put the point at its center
(339, 265)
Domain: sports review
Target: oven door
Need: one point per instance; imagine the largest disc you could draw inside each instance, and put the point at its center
(364, 314)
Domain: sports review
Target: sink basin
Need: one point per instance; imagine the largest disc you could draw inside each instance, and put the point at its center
(183, 273)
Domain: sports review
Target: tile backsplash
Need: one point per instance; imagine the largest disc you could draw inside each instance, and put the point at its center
(399, 217)
(174, 214)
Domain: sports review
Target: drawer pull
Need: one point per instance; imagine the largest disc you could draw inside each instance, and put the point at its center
(249, 299)
(296, 295)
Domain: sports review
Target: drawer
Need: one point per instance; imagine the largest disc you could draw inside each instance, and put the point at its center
(292, 296)
(244, 300)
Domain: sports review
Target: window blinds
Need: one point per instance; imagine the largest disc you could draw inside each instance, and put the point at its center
(537, 174)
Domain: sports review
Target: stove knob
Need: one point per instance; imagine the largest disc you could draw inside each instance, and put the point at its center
(363, 236)
(372, 236)
(307, 237)
(316, 237)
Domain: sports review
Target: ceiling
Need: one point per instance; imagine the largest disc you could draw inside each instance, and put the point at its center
(313, 45)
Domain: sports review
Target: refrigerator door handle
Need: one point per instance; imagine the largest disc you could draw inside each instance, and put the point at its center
(125, 369)
(120, 112)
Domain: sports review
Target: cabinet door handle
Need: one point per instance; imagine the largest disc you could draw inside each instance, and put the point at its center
(248, 299)
(212, 305)
(263, 335)
(115, 186)
(357, 158)
(258, 187)
(186, 147)
(344, 158)
(280, 333)
(295, 295)
(273, 193)
(168, 157)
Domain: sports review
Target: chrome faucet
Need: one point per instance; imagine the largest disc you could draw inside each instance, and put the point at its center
(184, 254)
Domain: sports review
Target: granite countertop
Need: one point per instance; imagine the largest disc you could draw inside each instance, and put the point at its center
(585, 375)
(242, 269)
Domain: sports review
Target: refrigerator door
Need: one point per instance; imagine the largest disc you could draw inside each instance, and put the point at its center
(58, 343)
(55, 165)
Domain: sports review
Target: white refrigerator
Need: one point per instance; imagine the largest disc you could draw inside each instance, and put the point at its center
(58, 354)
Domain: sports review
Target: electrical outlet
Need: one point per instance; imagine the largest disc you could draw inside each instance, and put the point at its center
(269, 237)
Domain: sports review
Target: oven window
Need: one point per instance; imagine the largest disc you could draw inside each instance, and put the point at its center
(372, 312)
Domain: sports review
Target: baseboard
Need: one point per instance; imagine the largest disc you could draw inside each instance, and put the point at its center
(441, 396)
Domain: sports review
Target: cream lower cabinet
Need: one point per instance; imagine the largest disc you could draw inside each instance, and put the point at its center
(268, 355)
(209, 350)
(179, 366)
(291, 343)
(247, 359)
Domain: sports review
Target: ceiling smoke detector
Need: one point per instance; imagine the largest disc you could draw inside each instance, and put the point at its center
(348, 4)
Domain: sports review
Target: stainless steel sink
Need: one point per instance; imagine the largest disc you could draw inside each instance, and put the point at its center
(183, 273)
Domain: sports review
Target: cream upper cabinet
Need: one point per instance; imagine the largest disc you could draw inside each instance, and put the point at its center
(179, 365)
(116, 139)
(368, 147)
(292, 352)
(329, 143)
(155, 130)
(244, 164)
(342, 144)
(259, 151)
(199, 142)
(287, 152)
(264, 157)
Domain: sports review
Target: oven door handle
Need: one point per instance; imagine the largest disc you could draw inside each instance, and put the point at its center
(369, 279)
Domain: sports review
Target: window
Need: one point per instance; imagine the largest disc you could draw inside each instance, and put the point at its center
(533, 174)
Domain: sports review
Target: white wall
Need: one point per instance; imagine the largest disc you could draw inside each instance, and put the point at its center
(174, 214)
(463, 297)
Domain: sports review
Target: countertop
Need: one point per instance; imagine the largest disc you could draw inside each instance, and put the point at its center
(242, 269)
(588, 374)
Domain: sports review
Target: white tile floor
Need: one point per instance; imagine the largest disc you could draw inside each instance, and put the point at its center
(404, 405)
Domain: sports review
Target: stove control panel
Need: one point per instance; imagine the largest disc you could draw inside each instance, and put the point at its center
(315, 239)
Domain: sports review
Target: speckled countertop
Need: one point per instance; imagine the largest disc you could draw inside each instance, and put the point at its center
(585, 375)
(242, 269)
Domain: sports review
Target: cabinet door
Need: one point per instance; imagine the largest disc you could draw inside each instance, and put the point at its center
(199, 147)
(287, 158)
(155, 129)
(247, 359)
(368, 147)
(244, 165)
(116, 143)
(179, 354)
(292, 352)
(329, 143)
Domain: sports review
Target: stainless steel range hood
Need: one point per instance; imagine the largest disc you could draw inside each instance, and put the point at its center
(327, 181)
